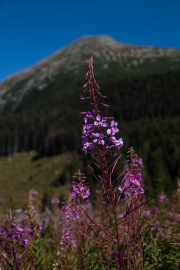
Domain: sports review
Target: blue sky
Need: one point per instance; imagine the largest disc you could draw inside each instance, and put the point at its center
(32, 30)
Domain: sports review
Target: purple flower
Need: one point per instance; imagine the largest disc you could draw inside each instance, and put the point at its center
(86, 145)
(98, 138)
(75, 212)
(68, 217)
(13, 235)
(80, 190)
(67, 239)
(33, 192)
(54, 200)
(122, 215)
(110, 135)
(93, 132)
(131, 182)
(169, 223)
(119, 143)
(90, 138)
(113, 128)
(170, 214)
(157, 226)
(65, 234)
(39, 227)
(87, 129)
(65, 208)
(91, 115)
(137, 162)
(87, 206)
(100, 121)
(147, 213)
(31, 231)
(162, 197)
(154, 210)
(24, 243)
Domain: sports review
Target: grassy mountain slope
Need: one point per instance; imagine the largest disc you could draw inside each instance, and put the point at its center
(20, 173)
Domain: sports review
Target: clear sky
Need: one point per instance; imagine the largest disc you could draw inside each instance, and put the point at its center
(30, 30)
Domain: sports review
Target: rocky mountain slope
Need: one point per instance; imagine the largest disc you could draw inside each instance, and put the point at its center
(104, 49)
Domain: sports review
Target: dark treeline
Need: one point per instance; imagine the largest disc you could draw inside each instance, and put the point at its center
(146, 107)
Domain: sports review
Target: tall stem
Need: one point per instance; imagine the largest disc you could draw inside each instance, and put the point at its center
(108, 176)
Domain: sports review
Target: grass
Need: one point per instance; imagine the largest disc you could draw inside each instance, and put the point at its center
(21, 172)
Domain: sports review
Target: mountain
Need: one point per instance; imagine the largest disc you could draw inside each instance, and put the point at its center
(40, 110)
(70, 58)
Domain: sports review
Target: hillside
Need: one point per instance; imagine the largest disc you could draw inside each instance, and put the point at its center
(126, 60)
(40, 106)
(21, 173)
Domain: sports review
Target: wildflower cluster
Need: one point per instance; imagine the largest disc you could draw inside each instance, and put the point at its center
(34, 227)
(73, 208)
(131, 184)
(13, 235)
(54, 201)
(97, 130)
(67, 239)
(13, 241)
(80, 190)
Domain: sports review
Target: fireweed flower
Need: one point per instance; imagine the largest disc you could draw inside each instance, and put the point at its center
(65, 208)
(97, 129)
(13, 241)
(99, 132)
(80, 190)
(87, 129)
(32, 218)
(91, 115)
(147, 213)
(86, 144)
(137, 162)
(156, 227)
(100, 139)
(72, 209)
(122, 215)
(67, 238)
(75, 212)
(33, 192)
(113, 128)
(31, 231)
(100, 121)
(54, 200)
(131, 184)
(162, 197)
(154, 210)
(87, 206)
(12, 233)
(66, 231)
(170, 214)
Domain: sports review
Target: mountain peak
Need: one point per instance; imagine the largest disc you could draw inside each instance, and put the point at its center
(104, 49)
(98, 41)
